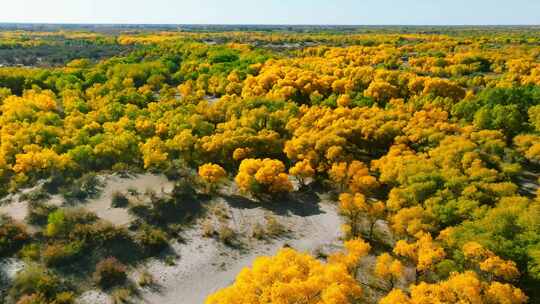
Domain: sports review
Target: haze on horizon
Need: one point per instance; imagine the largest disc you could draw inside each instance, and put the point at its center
(342, 12)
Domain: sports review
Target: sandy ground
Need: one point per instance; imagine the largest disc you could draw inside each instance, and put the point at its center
(101, 205)
(202, 264)
(206, 265)
(8, 270)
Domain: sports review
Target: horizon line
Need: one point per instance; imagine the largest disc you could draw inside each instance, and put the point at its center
(265, 24)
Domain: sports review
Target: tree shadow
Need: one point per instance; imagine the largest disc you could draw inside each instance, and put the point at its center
(302, 203)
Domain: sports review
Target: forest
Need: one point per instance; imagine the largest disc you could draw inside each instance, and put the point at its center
(121, 147)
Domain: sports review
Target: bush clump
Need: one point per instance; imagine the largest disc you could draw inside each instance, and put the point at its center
(109, 273)
(119, 200)
(59, 254)
(38, 213)
(35, 280)
(152, 240)
(12, 236)
(85, 187)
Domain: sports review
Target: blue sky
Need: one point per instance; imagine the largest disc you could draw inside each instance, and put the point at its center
(437, 12)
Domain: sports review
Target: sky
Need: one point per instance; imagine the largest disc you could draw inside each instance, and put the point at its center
(354, 12)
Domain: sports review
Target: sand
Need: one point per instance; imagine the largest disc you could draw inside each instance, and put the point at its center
(101, 205)
(206, 265)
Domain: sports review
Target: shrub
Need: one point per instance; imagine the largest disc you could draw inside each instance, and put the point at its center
(32, 299)
(57, 224)
(30, 252)
(36, 279)
(121, 295)
(119, 200)
(59, 254)
(152, 240)
(38, 195)
(258, 231)
(226, 234)
(61, 223)
(38, 213)
(109, 273)
(83, 188)
(145, 279)
(61, 298)
(12, 236)
(208, 229)
(274, 227)
(64, 298)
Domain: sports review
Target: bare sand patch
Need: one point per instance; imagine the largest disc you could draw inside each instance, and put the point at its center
(101, 205)
(206, 265)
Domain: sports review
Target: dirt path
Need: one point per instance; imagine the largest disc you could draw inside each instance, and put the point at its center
(205, 265)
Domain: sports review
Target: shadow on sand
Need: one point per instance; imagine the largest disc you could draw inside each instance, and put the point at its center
(303, 203)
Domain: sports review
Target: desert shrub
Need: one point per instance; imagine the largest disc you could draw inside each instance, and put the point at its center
(30, 252)
(208, 229)
(145, 279)
(61, 223)
(12, 236)
(119, 200)
(152, 240)
(121, 295)
(184, 190)
(64, 298)
(85, 187)
(273, 226)
(258, 231)
(61, 298)
(226, 234)
(35, 279)
(104, 233)
(109, 273)
(34, 298)
(38, 213)
(58, 254)
(160, 212)
(38, 195)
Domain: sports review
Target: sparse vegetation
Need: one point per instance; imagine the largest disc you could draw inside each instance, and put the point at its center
(109, 273)
(119, 200)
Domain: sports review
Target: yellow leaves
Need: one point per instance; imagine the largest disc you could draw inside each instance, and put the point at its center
(474, 251)
(265, 176)
(459, 288)
(344, 100)
(396, 296)
(290, 277)
(241, 153)
(27, 107)
(425, 252)
(354, 176)
(212, 173)
(388, 268)
(410, 221)
(505, 294)
(489, 262)
(154, 153)
(37, 159)
(500, 268)
(443, 88)
(529, 145)
(302, 170)
(381, 91)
